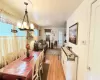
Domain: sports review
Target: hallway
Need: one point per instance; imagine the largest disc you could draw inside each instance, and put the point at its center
(55, 70)
(67, 30)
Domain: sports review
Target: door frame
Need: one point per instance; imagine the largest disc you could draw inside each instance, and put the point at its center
(90, 16)
(60, 44)
(89, 43)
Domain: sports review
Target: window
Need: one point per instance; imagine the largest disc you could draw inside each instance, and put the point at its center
(21, 33)
(36, 33)
(5, 29)
(9, 43)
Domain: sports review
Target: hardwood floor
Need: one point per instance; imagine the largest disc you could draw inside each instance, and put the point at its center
(55, 69)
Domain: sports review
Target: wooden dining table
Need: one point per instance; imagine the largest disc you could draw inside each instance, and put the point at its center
(20, 69)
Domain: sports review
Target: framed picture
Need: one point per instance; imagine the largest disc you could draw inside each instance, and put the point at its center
(73, 33)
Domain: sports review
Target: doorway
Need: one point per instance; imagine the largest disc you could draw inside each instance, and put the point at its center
(60, 38)
(48, 38)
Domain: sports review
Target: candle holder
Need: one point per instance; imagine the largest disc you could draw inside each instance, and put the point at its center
(27, 48)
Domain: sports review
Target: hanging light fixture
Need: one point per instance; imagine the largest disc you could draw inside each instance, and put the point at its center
(25, 25)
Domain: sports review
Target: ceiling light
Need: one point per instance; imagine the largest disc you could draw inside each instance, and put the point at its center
(25, 25)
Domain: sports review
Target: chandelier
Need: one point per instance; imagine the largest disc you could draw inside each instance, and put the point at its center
(25, 25)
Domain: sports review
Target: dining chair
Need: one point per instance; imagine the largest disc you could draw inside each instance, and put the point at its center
(13, 55)
(35, 71)
(22, 52)
(18, 55)
(8, 59)
(2, 63)
(41, 61)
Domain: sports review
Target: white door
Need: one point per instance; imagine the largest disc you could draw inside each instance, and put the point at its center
(60, 38)
(94, 48)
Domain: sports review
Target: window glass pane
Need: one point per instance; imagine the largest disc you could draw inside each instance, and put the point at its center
(5, 29)
(36, 33)
(21, 33)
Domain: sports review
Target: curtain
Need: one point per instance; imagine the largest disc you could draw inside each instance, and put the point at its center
(1, 52)
(21, 43)
(11, 44)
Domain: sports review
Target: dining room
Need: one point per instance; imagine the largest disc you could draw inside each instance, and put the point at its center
(32, 36)
(18, 60)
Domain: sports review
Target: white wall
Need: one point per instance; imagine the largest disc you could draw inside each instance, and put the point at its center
(81, 15)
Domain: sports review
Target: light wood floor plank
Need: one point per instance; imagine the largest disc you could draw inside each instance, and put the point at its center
(55, 69)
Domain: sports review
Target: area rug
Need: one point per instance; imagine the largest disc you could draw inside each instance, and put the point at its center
(53, 51)
(45, 71)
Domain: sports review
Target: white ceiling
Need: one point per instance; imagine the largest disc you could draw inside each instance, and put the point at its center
(44, 12)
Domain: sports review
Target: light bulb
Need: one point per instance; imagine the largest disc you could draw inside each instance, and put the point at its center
(31, 26)
(19, 25)
(25, 25)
